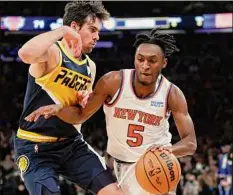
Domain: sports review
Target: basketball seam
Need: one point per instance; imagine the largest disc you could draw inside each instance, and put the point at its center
(147, 175)
(164, 172)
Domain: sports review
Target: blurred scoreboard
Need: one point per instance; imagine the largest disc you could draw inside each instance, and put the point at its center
(205, 21)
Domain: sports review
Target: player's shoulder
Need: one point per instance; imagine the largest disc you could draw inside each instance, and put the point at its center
(90, 61)
(113, 75)
(176, 95)
(117, 75)
(174, 88)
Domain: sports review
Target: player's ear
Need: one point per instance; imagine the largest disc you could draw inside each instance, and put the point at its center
(164, 63)
(75, 26)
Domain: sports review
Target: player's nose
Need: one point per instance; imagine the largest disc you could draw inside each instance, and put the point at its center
(96, 36)
(145, 65)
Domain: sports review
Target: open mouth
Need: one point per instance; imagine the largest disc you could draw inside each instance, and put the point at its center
(146, 74)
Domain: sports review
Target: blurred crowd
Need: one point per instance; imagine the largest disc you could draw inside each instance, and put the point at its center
(203, 71)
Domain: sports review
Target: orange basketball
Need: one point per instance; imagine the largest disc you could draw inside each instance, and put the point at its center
(158, 172)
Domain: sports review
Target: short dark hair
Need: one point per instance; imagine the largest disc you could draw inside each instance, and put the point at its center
(165, 41)
(78, 11)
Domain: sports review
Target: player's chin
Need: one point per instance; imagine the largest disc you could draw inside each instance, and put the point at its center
(146, 82)
(89, 49)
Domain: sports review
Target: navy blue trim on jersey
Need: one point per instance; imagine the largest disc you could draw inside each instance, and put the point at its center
(169, 90)
(119, 91)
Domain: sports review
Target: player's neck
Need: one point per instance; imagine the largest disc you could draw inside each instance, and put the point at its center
(143, 91)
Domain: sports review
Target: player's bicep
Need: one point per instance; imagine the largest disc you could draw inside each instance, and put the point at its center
(178, 106)
(45, 63)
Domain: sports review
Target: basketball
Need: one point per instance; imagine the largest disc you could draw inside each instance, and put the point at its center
(158, 172)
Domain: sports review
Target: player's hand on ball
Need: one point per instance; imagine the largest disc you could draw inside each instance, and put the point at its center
(83, 98)
(46, 111)
(155, 147)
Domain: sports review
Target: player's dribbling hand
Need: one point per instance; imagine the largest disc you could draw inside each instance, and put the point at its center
(46, 111)
(73, 40)
(83, 98)
(155, 147)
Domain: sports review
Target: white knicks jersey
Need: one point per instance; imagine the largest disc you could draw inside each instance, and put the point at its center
(133, 124)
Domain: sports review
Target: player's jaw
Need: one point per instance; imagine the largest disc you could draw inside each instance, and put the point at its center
(89, 47)
(148, 77)
(145, 78)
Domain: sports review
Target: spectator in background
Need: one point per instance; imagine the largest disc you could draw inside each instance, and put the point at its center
(207, 181)
(191, 186)
(225, 170)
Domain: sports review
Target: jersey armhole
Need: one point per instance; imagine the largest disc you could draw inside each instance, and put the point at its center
(166, 109)
(117, 95)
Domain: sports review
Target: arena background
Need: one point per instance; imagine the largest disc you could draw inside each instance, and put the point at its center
(202, 69)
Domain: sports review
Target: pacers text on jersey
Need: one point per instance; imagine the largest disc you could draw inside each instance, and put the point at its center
(72, 80)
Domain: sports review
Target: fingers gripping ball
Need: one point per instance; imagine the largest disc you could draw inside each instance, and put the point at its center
(158, 172)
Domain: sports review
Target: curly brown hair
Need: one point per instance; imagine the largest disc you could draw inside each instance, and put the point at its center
(78, 11)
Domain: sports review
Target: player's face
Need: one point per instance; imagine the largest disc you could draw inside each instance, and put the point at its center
(149, 62)
(89, 33)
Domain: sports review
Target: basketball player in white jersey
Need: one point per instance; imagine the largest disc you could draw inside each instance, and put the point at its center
(137, 106)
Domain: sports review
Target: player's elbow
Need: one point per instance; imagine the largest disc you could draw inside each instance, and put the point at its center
(80, 118)
(79, 121)
(25, 55)
(192, 145)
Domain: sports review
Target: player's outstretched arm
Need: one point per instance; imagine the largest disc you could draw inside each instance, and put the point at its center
(43, 54)
(77, 115)
(178, 105)
(37, 49)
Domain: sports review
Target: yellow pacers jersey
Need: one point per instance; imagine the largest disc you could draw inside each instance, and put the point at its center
(69, 77)
(59, 86)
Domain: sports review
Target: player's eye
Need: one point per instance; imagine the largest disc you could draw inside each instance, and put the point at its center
(93, 30)
(140, 59)
(152, 61)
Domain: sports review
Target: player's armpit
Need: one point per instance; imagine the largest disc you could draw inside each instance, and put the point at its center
(46, 63)
(178, 106)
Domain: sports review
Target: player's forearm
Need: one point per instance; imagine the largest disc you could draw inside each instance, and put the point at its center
(38, 46)
(186, 146)
(70, 114)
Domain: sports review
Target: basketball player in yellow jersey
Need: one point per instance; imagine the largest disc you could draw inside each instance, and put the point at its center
(59, 70)
(137, 106)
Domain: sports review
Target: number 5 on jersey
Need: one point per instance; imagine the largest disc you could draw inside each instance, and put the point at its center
(135, 139)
